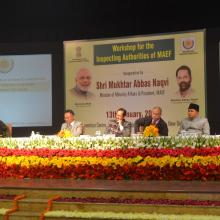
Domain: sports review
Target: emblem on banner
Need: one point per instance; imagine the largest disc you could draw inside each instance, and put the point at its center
(78, 55)
(6, 64)
(187, 44)
(78, 52)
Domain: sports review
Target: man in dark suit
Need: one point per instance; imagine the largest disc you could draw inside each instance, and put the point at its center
(3, 129)
(155, 119)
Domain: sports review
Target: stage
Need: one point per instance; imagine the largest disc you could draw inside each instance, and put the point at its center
(41, 192)
(75, 178)
(112, 185)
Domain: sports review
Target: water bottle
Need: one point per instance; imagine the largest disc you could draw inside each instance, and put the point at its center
(32, 134)
(98, 133)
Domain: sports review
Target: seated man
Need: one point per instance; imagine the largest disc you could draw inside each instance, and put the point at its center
(194, 124)
(155, 118)
(119, 126)
(4, 131)
(71, 124)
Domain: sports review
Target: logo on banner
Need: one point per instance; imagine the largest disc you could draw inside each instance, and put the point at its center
(78, 57)
(6, 65)
(78, 52)
(187, 45)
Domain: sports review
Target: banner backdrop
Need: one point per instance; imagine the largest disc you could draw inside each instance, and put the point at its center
(136, 73)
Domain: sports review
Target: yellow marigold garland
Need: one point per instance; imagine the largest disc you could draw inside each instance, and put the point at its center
(35, 161)
(151, 131)
(65, 134)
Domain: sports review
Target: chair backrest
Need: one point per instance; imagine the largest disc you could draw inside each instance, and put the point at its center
(9, 127)
(83, 129)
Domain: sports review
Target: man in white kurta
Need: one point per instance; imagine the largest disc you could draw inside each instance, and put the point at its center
(194, 124)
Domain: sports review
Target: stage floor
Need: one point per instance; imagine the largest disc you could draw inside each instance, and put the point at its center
(113, 185)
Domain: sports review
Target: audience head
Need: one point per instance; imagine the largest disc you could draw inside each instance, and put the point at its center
(156, 113)
(193, 110)
(69, 116)
(120, 114)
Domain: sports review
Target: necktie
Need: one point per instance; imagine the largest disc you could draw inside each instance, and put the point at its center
(69, 127)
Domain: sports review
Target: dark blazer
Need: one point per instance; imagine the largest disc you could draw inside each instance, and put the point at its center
(113, 128)
(146, 121)
(3, 129)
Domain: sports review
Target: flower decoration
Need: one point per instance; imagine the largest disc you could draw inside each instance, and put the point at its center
(151, 131)
(65, 133)
(164, 158)
(122, 215)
